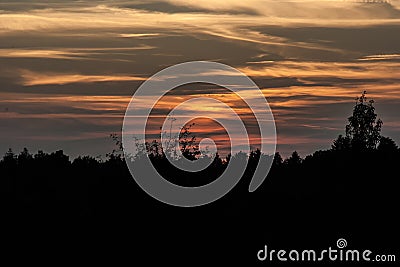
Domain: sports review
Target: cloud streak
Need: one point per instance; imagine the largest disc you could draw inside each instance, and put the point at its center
(31, 78)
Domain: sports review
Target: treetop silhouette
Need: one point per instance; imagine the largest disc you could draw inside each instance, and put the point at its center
(363, 132)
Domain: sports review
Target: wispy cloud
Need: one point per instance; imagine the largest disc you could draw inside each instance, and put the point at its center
(42, 53)
(131, 23)
(312, 9)
(355, 70)
(31, 78)
(83, 53)
(139, 35)
(380, 57)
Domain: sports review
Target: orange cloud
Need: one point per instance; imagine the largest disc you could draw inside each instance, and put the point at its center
(31, 78)
(357, 70)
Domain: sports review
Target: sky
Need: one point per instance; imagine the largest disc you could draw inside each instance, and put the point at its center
(68, 69)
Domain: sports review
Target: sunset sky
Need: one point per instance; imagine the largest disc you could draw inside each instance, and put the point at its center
(69, 68)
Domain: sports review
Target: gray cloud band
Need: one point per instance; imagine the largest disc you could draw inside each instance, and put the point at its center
(135, 121)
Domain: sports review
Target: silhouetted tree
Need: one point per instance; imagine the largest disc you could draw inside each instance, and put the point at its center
(40, 155)
(363, 130)
(255, 155)
(9, 157)
(387, 144)
(217, 162)
(293, 160)
(154, 149)
(24, 157)
(277, 160)
(117, 153)
(187, 142)
(341, 143)
(85, 161)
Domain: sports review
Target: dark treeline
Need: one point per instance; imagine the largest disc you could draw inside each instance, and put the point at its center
(354, 182)
(56, 185)
(362, 164)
